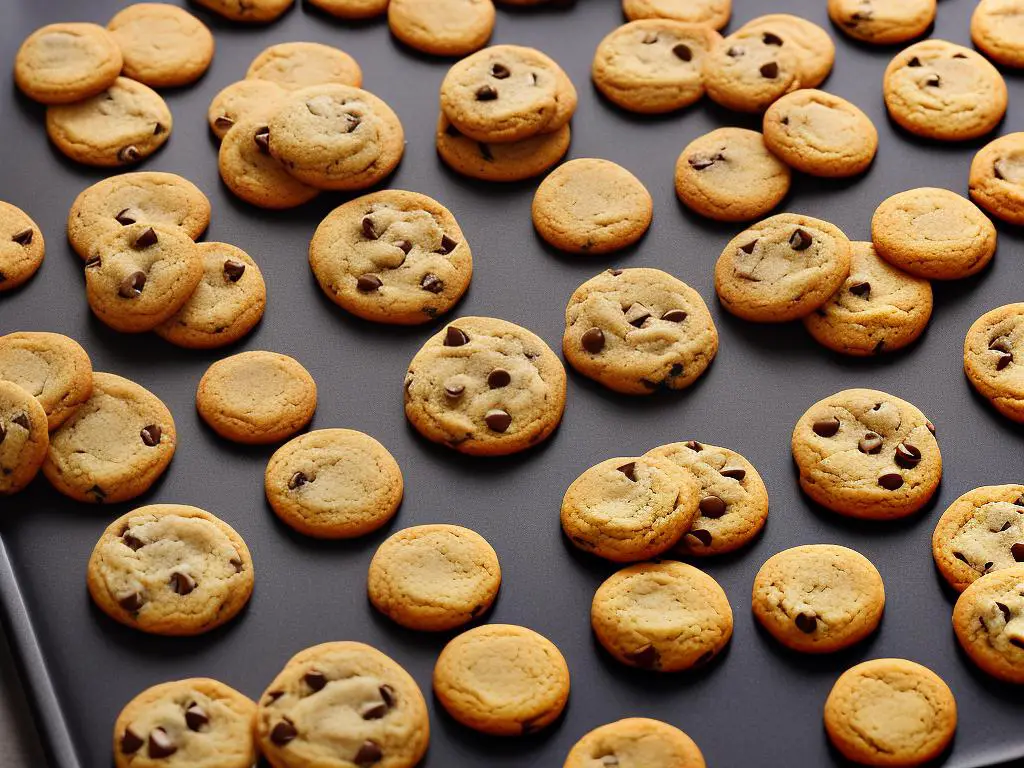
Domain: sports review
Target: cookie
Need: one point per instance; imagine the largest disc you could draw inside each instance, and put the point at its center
(64, 63)
(713, 13)
(989, 623)
(51, 367)
(123, 125)
(226, 305)
(997, 178)
(24, 437)
(200, 723)
(248, 170)
(170, 569)
(22, 248)
(502, 679)
(514, 161)
(812, 45)
(114, 446)
(997, 30)
(253, 11)
(663, 616)
(434, 577)
(141, 275)
(392, 257)
(867, 454)
(253, 99)
(639, 330)
(749, 70)
(163, 46)
(782, 268)
(733, 500)
(352, 9)
(882, 22)
(933, 233)
(878, 309)
(994, 344)
(630, 509)
(333, 484)
(730, 175)
(890, 712)
(342, 704)
(300, 65)
(635, 742)
(944, 91)
(485, 387)
(592, 206)
(442, 27)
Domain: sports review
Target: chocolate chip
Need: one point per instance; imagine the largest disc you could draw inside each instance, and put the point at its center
(131, 602)
(736, 473)
(770, 70)
(907, 455)
(233, 270)
(316, 680)
(959, 55)
(771, 39)
(262, 139)
(454, 391)
(182, 583)
(682, 52)
(22, 421)
(448, 245)
(961, 557)
(637, 315)
(1017, 641)
(388, 694)
(158, 129)
(1005, 610)
(712, 507)
(499, 378)
(646, 657)
(283, 733)
(196, 717)
(432, 283)
(93, 262)
(151, 435)
(629, 470)
(131, 287)
(368, 231)
(1004, 360)
(145, 239)
(1017, 550)
(128, 154)
(704, 537)
(870, 443)
(1006, 526)
(861, 288)
(369, 753)
(374, 711)
(455, 337)
(297, 480)
(891, 481)
(3, 432)
(500, 71)
(800, 240)
(160, 744)
(674, 316)
(785, 120)
(693, 445)
(914, 62)
(223, 121)
(131, 541)
(272, 696)
(934, 81)
(236, 563)
(702, 162)
(24, 237)
(498, 420)
(368, 283)
(593, 340)
(131, 742)
(734, 52)
(826, 427)
(486, 93)
(351, 122)
(749, 247)
(404, 246)
(676, 370)
(806, 622)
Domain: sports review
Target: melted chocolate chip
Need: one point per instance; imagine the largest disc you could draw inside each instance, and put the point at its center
(22, 421)
(404, 246)
(158, 129)
(629, 470)
(712, 507)
(432, 283)
(683, 52)
(374, 711)
(907, 456)
(674, 316)
(736, 473)
(826, 427)
(870, 443)
(124, 217)
(1017, 551)
(647, 657)
(749, 247)
(500, 71)
(131, 287)
(283, 733)
(145, 238)
(131, 541)
(24, 237)
(486, 93)
(891, 481)
(368, 283)
(637, 315)
(297, 480)
(703, 162)
(316, 680)
(196, 718)
(223, 121)
(131, 742)
(1004, 360)
(151, 435)
(800, 240)
(448, 245)
(388, 694)
(702, 536)
(129, 154)
(498, 420)
(499, 378)
(806, 622)
(861, 288)
(262, 139)
(768, 38)
(934, 81)
(233, 270)
(369, 753)
(455, 337)
(1005, 610)
(914, 62)
(593, 340)
(770, 70)
(182, 583)
(368, 231)
(161, 744)
(454, 391)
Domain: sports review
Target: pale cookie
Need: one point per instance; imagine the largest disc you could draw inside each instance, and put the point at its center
(882, 22)
(52, 368)
(993, 357)
(333, 484)
(22, 247)
(24, 437)
(989, 623)
(170, 569)
(812, 45)
(352, 9)
(867, 454)
(392, 257)
(713, 13)
(749, 70)
(514, 161)
(639, 330)
(890, 712)
(663, 616)
(195, 723)
(163, 46)
(442, 27)
(253, 11)
(635, 742)
(256, 397)
(249, 171)
(997, 178)
(434, 577)
(63, 63)
(997, 28)
(300, 65)
(485, 387)
(245, 99)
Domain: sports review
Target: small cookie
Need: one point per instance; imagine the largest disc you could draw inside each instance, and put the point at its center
(635, 742)
(782, 268)
(53, 368)
(630, 509)
(890, 712)
(392, 257)
(333, 484)
(185, 724)
(730, 175)
(997, 29)
(24, 437)
(254, 11)
(502, 679)
(170, 569)
(442, 27)
(64, 63)
(867, 454)
(663, 616)
(713, 13)
(878, 309)
(300, 65)
(993, 353)
(485, 387)
(989, 623)
(933, 233)
(434, 577)
(245, 99)
(163, 46)
(22, 247)
(749, 70)
(997, 178)
(882, 22)
(812, 45)
(944, 91)
(339, 705)
(352, 9)
(514, 161)
(639, 330)
(256, 397)
(249, 171)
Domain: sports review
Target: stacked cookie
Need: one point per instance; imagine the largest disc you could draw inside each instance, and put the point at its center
(250, 11)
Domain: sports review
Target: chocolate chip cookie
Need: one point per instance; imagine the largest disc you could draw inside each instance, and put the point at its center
(997, 178)
(252, 11)
(989, 623)
(442, 27)
(249, 171)
(635, 742)
(163, 46)
(812, 45)
(300, 65)
(997, 28)
(993, 352)
(255, 99)
(51, 367)
(352, 9)
(749, 70)
(64, 63)
(713, 13)
(24, 437)
(882, 22)
(22, 248)
(513, 161)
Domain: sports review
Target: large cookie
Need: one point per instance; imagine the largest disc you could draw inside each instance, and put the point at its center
(882, 22)
(442, 27)
(51, 367)
(24, 437)
(993, 353)
(749, 70)
(163, 46)
(989, 623)
(22, 248)
(812, 45)
(64, 63)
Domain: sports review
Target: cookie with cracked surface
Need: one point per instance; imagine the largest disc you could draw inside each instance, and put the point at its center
(993, 351)
(244, 99)
(163, 46)
(485, 387)
(513, 161)
(352, 9)
(997, 178)
(812, 45)
(333, 484)
(252, 174)
(746, 74)
(256, 397)
(434, 577)
(713, 13)
(933, 233)
(199, 723)
(997, 28)
(24, 437)
(339, 705)
(392, 257)
(890, 712)
(52, 368)
(64, 63)
(867, 454)
(300, 65)
(442, 27)
(635, 742)
(878, 309)
(882, 22)
(782, 268)
(22, 248)
(251, 11)
(730, 175)
(944, 91)
(988, 620)
(663, 616)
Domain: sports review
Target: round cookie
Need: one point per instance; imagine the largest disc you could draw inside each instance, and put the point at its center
(434, 577)
(22, 248)
(253, 11)
(24, 437)
(713, 13)
(867, 454)
(256, 397)
(812, 45)
(352, 9)
(248, 170)
(630, 509)
(514, 161)
(245, 99)
(782, 268)
(882, 22)
(933, 233)
(485, 387)
(638, 330)
(749, 70)
(733, 506)
(163, 46)
(998, 30)
(114, 446)
(196, 723)
(989, 623)
(226, 305)
(333, 484)
(64, 63)
(663, 616)
(342, 704)
(442, 27)
(997, 178)
(502, 679)
(992, 349)
(51, 367)
(890, 712)
(730, 175)
(300, 65)
(635, 742)
(944, 91)
(592, 206)
(878, 309)
(392, 257)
